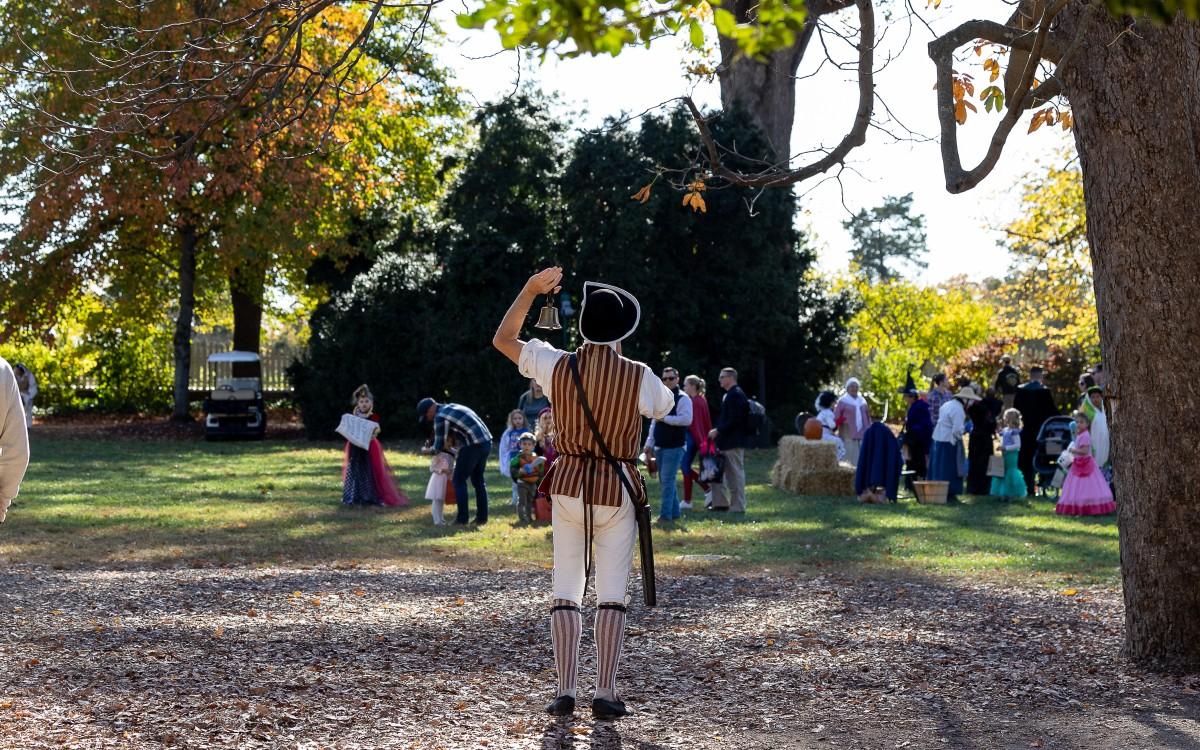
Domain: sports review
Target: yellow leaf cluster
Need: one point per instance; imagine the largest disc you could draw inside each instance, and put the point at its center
(962, 87)
(696, 201)
(1049, 116)
(993, 68)
(1048, 295)
(701, 10)
(694, 198)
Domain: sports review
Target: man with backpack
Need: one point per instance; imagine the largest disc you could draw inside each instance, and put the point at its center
(731, 434)
(1007, 381)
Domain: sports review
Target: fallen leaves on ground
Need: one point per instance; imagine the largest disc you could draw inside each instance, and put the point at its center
(361, 658)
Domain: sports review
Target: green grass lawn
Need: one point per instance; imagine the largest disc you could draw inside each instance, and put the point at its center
(167, 503)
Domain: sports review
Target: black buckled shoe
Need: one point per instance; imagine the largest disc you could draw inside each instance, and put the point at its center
(563, 705)
(606, 710)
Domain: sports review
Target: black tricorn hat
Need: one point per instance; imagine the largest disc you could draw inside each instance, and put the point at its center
(607, 314)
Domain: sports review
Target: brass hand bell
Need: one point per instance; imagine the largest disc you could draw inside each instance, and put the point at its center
(548, 317)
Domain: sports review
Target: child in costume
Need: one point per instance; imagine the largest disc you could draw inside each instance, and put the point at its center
(544, 435)
(527, 470)
(510, 445)
(366, 478)
(441, 467)
(1085, 491)
(829, 424)
(1012, 484)
(1093, 408)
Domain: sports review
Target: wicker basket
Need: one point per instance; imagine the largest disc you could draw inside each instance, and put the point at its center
(932, 492)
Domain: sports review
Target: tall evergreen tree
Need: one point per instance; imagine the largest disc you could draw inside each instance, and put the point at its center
(723, 287)
(889, 232)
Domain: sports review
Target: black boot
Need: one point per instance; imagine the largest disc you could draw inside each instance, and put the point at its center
(563, 705)
(606, 710)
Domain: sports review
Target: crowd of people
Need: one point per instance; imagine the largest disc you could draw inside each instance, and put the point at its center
(527, 449)
(983, 440)
(979, 440)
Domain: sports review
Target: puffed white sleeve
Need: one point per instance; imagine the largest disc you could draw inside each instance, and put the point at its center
(14, 440)
(655, 400)
(537, 361)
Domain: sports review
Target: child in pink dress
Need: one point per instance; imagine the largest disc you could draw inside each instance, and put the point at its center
(1085, 491)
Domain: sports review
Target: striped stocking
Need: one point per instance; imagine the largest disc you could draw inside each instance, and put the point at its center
(566, 627)
(610, 638)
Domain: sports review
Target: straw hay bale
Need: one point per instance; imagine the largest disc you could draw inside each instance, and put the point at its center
(810, 467)
(809, 455)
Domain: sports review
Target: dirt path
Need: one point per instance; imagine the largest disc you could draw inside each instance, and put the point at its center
(318, 658)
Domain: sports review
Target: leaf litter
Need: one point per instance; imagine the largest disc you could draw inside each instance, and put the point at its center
(354, 657)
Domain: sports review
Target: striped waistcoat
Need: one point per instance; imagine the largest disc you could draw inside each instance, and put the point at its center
(612, 384)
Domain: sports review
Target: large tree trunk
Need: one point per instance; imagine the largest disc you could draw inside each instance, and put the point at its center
(246, 286)
(1136, 102)
(766, 90)
(187, 238)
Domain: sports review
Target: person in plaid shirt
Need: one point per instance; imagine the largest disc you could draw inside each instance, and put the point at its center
(475, 444)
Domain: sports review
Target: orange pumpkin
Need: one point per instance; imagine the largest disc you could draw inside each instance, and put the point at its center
(813, 429)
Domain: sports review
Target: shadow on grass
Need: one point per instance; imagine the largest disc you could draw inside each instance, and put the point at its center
(138, 504)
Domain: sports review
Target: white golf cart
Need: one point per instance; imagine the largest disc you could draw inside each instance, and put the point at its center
(235, 408)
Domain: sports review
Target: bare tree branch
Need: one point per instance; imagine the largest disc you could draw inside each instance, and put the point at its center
(1039, 43)
(783, 175)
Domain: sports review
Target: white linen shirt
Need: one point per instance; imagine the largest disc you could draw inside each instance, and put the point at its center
(538, 359)
(951, 421)
(14, 440)
(682, 418)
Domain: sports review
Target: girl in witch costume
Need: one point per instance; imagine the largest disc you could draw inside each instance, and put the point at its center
(366, 478)
(589, 499)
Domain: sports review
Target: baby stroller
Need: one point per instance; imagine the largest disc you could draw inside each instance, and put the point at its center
(1053, 438)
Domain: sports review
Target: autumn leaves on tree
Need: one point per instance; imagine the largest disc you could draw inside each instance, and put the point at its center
(173, 163)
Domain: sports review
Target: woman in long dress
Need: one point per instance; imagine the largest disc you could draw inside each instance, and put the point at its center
(983, 415)
(947, 443)
(853, 417)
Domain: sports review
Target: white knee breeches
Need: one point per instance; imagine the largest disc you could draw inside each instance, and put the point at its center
(613, 532)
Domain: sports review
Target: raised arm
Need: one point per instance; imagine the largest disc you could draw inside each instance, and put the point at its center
(508, 335)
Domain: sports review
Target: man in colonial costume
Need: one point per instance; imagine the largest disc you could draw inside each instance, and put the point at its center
(591, 502)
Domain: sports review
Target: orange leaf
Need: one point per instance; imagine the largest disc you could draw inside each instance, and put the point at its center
(960, 113)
